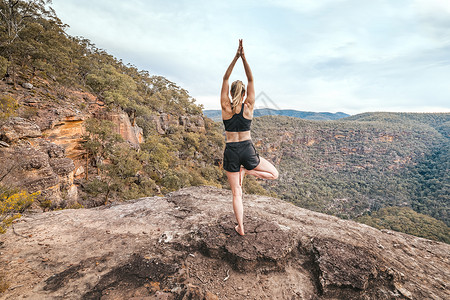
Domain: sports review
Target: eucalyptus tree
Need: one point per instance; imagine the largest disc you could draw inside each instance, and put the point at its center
(15, 17)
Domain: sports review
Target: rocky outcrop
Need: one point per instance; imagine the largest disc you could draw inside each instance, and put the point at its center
(35, 164)
(18, 128)
(193, 123)
(129, 131)
(68, 133)
(69, 129)
(266, 246)
(167, 123)
(184, 246)
(59, 114)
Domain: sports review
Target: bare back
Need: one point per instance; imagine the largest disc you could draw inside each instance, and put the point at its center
(227, 113)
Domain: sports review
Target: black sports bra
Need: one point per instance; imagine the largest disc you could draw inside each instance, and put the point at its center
(238, 123)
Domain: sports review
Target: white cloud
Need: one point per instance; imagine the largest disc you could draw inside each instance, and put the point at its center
(303, 6)
(345, 55)
(435, 8)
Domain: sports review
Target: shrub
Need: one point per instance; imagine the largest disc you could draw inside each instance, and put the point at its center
(3, 66)
(13, 203)
(252, 186)
(4, 285)
(8, 106)
(95, 187)
(29, 112)
(45, 204)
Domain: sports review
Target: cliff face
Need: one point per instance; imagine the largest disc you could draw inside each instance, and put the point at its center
(343, 147)
(57, 115)
(43, 153)
(68, 134)
(184, 246)
(30, 162)
(128, 129)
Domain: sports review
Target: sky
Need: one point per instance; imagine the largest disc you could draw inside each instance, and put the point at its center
(351, 56)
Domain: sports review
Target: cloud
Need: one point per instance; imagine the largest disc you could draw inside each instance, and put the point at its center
(345, 55)
(304, 6)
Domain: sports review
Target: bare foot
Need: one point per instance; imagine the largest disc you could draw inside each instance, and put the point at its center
(239, 230)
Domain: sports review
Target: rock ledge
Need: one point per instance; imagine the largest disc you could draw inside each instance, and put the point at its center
(183, 246)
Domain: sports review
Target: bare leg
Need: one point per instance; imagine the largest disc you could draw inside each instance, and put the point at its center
(264, 170)
(238, 207)
(241, 175)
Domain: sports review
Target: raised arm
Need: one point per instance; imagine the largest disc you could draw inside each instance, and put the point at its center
(250, 86)
(224, 99)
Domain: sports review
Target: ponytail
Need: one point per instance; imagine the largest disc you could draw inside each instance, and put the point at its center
(237, 91)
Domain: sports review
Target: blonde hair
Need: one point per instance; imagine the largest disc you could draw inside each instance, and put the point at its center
(237, 92)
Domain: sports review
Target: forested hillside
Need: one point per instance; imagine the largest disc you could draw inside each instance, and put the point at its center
(358, 165)
(46, 73)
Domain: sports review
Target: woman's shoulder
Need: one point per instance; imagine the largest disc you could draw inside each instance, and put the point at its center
(249, 106)
(248, 110)
(227, 112)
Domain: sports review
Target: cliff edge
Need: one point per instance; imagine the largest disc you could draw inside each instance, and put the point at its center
(183, 246)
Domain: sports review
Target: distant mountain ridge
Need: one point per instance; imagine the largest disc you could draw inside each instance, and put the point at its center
(216, 115)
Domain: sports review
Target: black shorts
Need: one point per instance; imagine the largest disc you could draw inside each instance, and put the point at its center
(240, 153)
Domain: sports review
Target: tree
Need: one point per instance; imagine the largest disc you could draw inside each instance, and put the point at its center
(16, 13)
(121, 170)
(3, 66)
(15, 16)
(112, 86)
(99, 140)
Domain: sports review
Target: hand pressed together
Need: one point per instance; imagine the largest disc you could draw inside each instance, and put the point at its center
(240, 50)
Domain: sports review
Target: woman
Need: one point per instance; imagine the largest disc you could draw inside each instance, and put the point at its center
(237, 115)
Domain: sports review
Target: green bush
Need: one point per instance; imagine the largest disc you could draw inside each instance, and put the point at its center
(13, 202)
(3, 66)
(252, 186)
(8, 106)
(95, 187)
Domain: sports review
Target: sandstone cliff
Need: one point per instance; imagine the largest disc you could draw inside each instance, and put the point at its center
(30, 162)
(56, 116)
(48, 160)
(184, 246)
